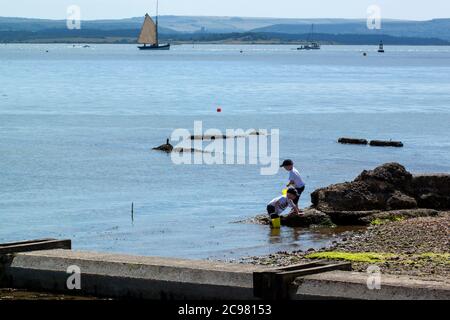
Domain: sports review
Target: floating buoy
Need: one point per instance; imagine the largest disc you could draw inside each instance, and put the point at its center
(365, 54)
(219, 109)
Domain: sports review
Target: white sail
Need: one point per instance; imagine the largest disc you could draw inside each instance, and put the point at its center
(148, 32)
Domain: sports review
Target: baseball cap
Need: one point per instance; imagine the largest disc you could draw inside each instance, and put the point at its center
(292, 191)
(287, 162)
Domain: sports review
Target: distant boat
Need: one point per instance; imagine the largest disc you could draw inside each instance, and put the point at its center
(149, 34)
(311, 45)
(381, 47)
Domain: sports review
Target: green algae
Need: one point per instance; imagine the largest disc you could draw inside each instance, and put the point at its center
(369, 257)
(378, 221)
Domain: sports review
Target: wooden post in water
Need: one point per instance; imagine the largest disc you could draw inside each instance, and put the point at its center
(132, 212)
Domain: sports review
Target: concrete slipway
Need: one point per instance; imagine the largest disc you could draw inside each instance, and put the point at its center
(122, 276)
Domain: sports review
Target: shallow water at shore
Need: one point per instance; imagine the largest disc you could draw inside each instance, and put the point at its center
(77, 127)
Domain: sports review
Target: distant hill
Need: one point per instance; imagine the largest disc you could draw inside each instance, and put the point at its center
(439, 28)
(36, 25)
(187, 24)
(183, 28)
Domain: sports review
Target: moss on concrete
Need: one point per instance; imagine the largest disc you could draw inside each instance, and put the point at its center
(369, 257)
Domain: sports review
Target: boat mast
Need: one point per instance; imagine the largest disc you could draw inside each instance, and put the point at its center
(312, 33)
(157, 8)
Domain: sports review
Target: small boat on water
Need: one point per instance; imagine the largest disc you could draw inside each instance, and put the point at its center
(149, 37)
(381, 47)
(311, 45)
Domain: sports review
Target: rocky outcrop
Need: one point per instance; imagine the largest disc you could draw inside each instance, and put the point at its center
(367, 217)
(432, 191)
(388, 187)
(383, 190)
(310, 217)
(388, 192)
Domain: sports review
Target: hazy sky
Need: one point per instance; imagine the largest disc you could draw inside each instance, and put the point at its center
(95, 9)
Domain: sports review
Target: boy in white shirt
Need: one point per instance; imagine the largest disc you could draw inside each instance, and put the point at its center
(294, 178)
(276, 207)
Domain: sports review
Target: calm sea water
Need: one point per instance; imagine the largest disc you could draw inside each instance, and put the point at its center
(77, 126)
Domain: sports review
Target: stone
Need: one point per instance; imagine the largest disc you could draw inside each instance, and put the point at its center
(309, 218)
(371, 190)
(380, 143)
(391, 173)
(353, 141)
(401, 201)
(432, 190)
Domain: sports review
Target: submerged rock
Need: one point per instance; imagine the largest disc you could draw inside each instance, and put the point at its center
(211, 137)
(380, 143)
(189, 150)
(353, 141)
(167, 147)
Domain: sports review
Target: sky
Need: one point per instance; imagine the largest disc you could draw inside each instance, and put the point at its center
(114, 9)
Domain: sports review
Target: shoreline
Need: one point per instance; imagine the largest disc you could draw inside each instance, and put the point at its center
(417, 247)
(179, 43)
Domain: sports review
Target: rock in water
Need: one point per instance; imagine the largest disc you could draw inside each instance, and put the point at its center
(388, 187)
(165, 147)
(310, 217)
(379, 143)
(353, 141)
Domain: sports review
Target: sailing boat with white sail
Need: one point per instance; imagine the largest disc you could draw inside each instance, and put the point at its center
(149, 36)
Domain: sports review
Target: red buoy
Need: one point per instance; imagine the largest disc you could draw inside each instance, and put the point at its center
(219, 109)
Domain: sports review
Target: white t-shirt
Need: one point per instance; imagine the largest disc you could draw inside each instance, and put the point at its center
(294, 175)
(281, 203)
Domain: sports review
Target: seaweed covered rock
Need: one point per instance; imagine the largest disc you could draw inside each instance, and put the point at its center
(367, 217)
